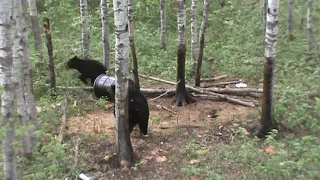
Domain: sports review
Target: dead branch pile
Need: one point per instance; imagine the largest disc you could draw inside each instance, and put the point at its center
(217, 91)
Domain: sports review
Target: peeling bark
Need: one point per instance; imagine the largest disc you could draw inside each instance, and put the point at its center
(163, 17)
(105, 33)
(123, 143)
(182, 96)
(85, 28)
(201, 39)
(7, 28)
(194, 30)
(267, 116)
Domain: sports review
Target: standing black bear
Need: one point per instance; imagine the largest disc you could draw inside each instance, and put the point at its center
(138, 109)
(89, 69)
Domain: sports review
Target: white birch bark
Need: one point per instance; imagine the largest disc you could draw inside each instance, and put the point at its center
(194, 30)
(27, 79)
(309, 26)
(85, 28)
(123, 143)
(7, 29)
(35, 26)
(18, 78)
(163, 16)
(182, 22)
(290, 20)
(271, 37)
(105, 33)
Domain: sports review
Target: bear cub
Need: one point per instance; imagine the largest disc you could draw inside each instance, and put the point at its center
(138, 109)
(89, 69)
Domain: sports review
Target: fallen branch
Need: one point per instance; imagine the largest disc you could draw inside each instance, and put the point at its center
(213, 79)
(76, 152)
(63, 120)
(203, 90)
(165, 92)
(165, 108)
(221, 96)
(220, 84)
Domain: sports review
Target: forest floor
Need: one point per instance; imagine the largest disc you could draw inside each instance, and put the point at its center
(176, 137)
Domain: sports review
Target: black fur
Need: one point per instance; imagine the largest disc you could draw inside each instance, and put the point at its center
(89, 69)
(138, 109)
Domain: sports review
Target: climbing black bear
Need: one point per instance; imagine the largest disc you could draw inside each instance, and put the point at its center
(89, 69)
(138, 109)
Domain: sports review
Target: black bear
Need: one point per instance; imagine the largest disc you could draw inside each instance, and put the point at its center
(89, 69)
(138, 109)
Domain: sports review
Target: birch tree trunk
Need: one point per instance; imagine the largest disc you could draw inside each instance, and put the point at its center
(194, 30)
(105, 33)
(267, 116)
(123, 142)
(7, 28)
(201, 39)
(309, 27)
(163, 17)
(132, 45)
(27, 79)
(35, 27)
(85, 28)
(291, 20)
(18, 78)
(182, 96)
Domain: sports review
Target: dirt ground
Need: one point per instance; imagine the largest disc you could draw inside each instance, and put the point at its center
(160, 155)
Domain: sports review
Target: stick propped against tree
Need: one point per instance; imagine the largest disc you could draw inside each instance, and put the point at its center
(181, 93)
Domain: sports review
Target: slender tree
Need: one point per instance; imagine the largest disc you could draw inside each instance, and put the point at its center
(18, 78)
(163, 17)
(7, 30)
(266, 122)
(123, 143)
(35, 26)
(105, 33)
(302, 15)
(194, 30)
(132, 45)
(27, 79)
(85, 28)
(47, 26)
(181, 93)
(201, 39)
(290, 20)
(309, 27)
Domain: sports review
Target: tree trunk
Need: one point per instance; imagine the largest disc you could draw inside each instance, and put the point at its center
(36, 28)
(163, 17)
(201, 39)
(7, 28)
(132, 45)
(194, 30)
(123, 142)
(181, 93)
(309, 27)
(85, 28)
(105, 33)
(302, 15)
(47, 26)
(18, 78)
(267, 116)
(290, 20)
(28, 82)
